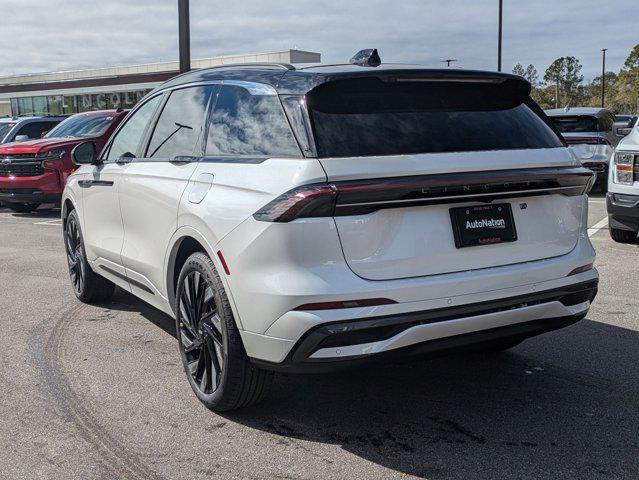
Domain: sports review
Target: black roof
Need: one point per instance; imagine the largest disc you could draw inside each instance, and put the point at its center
(288, 79)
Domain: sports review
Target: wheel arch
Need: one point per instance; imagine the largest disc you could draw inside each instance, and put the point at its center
(68, 205)
(185, 242)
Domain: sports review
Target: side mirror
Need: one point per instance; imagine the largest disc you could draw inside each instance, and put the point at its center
(21, 138)
(84, 153)
(44, 133)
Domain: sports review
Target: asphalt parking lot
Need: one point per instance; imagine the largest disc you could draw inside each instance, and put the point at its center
(94, 392)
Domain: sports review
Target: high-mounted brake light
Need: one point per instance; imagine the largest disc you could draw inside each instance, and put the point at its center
(368, 302)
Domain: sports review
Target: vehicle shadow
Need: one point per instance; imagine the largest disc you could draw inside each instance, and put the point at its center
(43, 213)
(562, 405)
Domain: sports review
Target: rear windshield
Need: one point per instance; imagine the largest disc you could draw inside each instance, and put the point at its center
(367, 117)
(82, 126)
(582, 123)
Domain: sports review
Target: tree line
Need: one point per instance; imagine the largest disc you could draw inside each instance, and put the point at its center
(563, 85)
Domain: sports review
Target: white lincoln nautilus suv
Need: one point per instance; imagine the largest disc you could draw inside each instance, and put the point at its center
(301, 219)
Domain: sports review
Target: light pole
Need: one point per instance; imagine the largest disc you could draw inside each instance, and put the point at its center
(603, 76)
(501, 11)
(184, 35)
(448, 61)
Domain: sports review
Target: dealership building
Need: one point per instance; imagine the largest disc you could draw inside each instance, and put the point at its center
(112, 87)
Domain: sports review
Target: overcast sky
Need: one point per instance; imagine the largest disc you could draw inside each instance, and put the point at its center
(53, 35)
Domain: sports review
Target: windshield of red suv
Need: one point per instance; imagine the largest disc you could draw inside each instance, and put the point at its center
(82, 126)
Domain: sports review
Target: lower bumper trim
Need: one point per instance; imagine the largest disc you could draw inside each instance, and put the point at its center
(623, 211)
(355, 332)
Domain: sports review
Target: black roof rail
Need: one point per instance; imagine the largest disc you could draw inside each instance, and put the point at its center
(273, 66)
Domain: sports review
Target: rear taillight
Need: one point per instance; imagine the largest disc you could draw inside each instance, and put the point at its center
(587, 141)
(360, 197)
(624, 164)
(304, 201)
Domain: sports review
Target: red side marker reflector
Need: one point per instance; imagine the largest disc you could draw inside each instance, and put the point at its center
(368, 302)
(581, 269)
(224, 265)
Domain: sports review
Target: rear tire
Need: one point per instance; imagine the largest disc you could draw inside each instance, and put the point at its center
(623, 236)
(23, 207)
(215, 362)
(88, 286)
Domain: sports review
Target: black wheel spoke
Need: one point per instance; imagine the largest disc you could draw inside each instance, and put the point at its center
(186, 315)
(214, 366)
(200, 332)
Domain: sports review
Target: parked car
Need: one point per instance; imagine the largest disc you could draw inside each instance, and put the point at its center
(589, 132)
(622, 200)
(307, 219)
(19, 129)
(34, 172)
(623, 124)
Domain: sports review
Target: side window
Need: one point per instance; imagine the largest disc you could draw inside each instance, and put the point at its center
(247, 124)
(180, 123)
(34, 129)
(127, 140)
(605, 123)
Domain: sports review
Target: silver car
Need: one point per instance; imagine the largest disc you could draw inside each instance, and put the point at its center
(20, 129)
(590, 134)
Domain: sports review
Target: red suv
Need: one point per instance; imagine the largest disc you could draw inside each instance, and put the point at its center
(35, 171)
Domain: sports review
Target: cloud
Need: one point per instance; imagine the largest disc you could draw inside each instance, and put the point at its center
(41, 35)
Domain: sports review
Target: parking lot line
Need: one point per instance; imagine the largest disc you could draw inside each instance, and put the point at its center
(54, 223)
(598, 226)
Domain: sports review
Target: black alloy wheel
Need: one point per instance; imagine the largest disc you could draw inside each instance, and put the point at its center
(75, 255)
(217, 367)
(88, 286)
(200, 333)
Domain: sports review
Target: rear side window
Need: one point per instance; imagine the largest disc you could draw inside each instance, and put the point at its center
(4, 129)
(180, 124)
(367, 117)
(249, 124)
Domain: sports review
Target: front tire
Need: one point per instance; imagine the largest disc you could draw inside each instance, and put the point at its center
(88, 286)
(23, 207)
(215, 362)
(622, 236)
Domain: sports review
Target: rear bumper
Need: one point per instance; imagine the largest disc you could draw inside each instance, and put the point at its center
(623, 211)
(352, 343)
(43, 188)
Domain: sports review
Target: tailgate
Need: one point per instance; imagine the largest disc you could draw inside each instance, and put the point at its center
(393, 214)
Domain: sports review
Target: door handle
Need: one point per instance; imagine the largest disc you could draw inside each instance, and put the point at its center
(90, 183)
